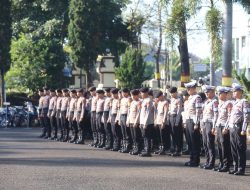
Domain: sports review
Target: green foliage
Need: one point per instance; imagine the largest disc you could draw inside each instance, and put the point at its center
(94, 27)
(5, 33)
(131, 71)
(35, 63)
(243, 81)
(214, 22)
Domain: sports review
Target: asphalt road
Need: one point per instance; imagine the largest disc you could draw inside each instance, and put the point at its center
(30, 163)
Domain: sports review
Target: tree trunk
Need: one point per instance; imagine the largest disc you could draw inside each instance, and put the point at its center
(2, 86)
(184, 55)
(227, 44)
(158, 53)
(212, 71)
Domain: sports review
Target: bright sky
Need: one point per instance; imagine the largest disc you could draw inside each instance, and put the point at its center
(198, 41)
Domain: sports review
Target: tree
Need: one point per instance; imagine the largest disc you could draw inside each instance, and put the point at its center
(213, 26)
(94, 27)
(181, 11)
(5, 40)
(131, 71)
(227, 39)
(35, 63)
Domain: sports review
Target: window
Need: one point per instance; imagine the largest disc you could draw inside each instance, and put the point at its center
(237, 47)
(243, 41)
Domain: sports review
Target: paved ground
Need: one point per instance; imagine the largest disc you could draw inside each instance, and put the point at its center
(29, 163)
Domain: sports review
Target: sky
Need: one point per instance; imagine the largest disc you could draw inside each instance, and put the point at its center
(198, 42)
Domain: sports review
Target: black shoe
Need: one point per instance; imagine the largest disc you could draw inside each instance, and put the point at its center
(79, 142)
(224, 169)
(209, 167)
(232, 171)
(145, 154)
(92, 144)
(176, 154)
(202, 166)
(191, 164)
(239, 173)
(115, 149)
(185, 152)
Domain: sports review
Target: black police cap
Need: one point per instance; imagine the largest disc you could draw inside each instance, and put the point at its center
(114, 90)
(100, 91)
(158, 94)
(65, 90)
(59, 91)
(173, 89)
(135, 92)
(144, 89)
(92, 88)
(125, 90)
(52, 90)
(107, 90)
(80, 90)
(73, 91)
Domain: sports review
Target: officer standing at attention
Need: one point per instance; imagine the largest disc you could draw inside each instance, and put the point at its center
(99, 115)
(52, 113)
(175, 110)
(41, 119)
(209, 119)
(64, 109)
(70, 116)
(193, 111)
(133, 122)
(222, 135)
(80, 115)
(124, 109)
(106, 121)
(58, 114)
(93, 102)
(45, 109)
(146, 121)
(239, 120)
(116, 130)
(162, 108)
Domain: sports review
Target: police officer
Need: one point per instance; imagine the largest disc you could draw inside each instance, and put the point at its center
(146, 121)
(175, 110)
(116, 129)
(124, 108)
(99, 115)
(45, 109)
(64, 120)
(222, 135)
(106, 121)
(133, 122)
(58, 114)
(80, 115)
(193, 111)
(185, 96)
(209, 118)
(237, 124)
(52, 113)
(162, 108)
(70, 116)
(40, 104)
(93, 102)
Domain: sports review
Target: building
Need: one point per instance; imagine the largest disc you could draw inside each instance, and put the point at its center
(241, 40)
